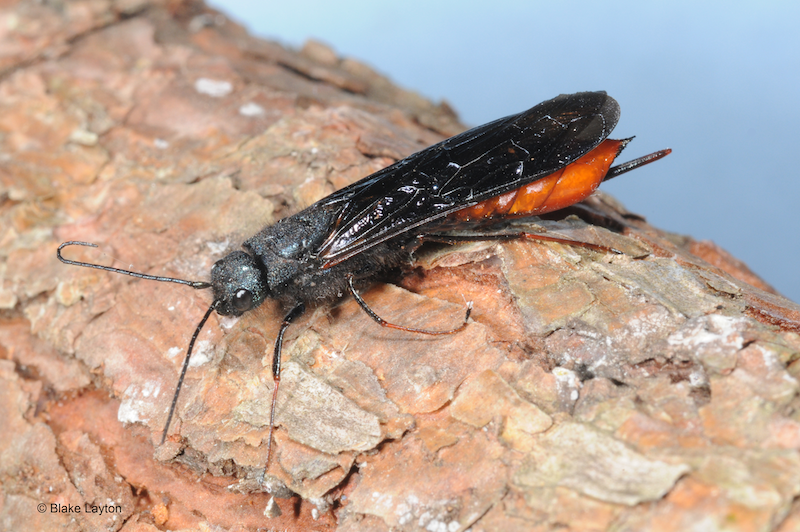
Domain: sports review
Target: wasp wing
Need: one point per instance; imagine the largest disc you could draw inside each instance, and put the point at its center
(463, 170)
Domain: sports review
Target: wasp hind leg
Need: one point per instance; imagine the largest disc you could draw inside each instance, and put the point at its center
(457, 239)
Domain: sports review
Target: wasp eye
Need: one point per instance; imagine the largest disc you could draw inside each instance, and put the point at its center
(243, 300)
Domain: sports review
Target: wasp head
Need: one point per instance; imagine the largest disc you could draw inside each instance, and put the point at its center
(238, 283)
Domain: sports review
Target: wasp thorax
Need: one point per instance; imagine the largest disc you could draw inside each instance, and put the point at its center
(238, 284)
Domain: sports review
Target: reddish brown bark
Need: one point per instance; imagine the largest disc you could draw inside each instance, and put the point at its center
(588, 391)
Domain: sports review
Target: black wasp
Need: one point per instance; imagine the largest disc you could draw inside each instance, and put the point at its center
(541, 160)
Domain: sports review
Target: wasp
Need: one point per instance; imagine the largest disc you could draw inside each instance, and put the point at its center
(538, 161)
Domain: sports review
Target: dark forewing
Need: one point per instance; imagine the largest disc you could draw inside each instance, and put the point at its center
(478, 164)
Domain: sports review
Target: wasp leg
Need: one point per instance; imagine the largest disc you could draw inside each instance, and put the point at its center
(455, 239)
(293, 314)
(383, 323)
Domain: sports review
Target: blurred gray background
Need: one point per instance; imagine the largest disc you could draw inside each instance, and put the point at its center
(718, 82)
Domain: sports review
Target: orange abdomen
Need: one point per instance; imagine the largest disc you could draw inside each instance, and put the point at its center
(558, 190)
